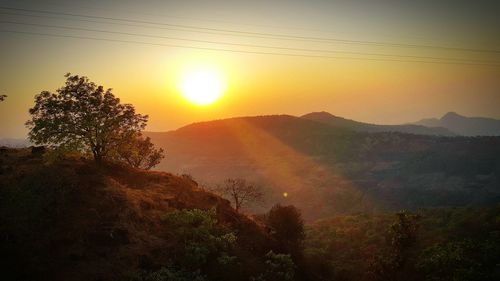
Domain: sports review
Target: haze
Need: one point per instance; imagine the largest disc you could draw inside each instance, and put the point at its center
(394, 82)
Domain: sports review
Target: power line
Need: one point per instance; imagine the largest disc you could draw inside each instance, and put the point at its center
(61, 17)
(105, 22)
(162, 15)
(239, 51)
(242, 45)
(266, 35)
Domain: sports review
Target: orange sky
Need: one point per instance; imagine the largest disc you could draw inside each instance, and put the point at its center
(148, 76)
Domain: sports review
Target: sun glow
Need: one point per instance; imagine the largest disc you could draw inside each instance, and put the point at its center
(202, 86)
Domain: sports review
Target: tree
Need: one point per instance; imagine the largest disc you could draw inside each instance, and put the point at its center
(402, 237)
(2, 97)
(83, 116)
(403, 232)
(287, 227)
(139, 152)
(240, 192)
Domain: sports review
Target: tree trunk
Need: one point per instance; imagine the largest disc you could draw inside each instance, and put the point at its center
(97, 156)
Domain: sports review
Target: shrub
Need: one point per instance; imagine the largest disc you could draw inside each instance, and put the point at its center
(167, 274)
(199, 240)
(279, 267)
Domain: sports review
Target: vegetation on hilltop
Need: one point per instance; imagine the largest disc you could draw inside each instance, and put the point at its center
(82, 116)
(74, 220)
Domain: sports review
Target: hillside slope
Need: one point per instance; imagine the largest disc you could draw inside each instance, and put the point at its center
(271, 151)
(332, 120)
(326, 170)
(72, 220)
(465, 126)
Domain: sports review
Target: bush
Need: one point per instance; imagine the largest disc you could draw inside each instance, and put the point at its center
(198, 239)
(279, 267)
(167, 274)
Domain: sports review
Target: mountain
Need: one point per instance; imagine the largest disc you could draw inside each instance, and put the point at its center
(465, 126)
(73, 220)
(327, 170)
(14, 143)
(421, 129)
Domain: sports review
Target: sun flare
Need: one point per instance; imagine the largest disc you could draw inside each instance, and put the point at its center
(202, 86)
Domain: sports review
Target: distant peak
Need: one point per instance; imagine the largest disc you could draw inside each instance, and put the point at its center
(451, 114)
(323, 113)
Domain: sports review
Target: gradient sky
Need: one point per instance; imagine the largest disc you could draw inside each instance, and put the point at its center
(353, 79)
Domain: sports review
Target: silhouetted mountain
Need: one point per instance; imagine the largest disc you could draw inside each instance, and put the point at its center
(328, 170)
(327, 118)
(465, 126)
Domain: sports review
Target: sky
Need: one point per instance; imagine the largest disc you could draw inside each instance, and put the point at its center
(384, 62)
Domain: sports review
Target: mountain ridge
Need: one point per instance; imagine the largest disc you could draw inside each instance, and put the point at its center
(338, 170)
(336, 121)
(463, 125)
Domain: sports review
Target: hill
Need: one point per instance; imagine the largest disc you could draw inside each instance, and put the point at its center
(327, 170)
(72, 220)
(14, 143)
(327, 118)
(465, 126)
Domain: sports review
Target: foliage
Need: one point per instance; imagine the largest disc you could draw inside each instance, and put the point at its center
(436, 244)
(138, 152)
(240, 192)
(84, 115)
(340, 248)
(59, 153)
(197, 238)
(402, 236)
(287, 227)
(279, 267)
(167, 274)
(461, 260)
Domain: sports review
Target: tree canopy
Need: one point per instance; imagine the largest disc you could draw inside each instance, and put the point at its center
(139, 152)
(84, 116)
(287, 227)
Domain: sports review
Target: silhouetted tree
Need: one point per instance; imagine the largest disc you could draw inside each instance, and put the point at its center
(84, 116)
(139, 152)
(287, 227)
(240, 192)
(2, 97)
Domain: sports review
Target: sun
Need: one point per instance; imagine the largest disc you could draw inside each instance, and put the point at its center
(202, 86)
